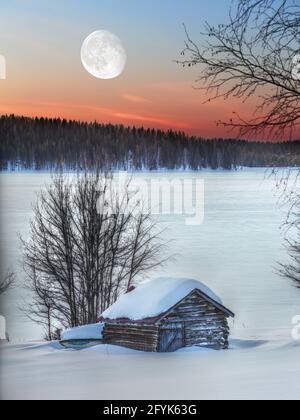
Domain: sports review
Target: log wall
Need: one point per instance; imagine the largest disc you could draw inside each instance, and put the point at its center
(193, 322)
(134, 336)
(202, 324)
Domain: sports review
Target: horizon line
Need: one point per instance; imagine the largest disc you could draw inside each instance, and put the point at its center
(145, 128)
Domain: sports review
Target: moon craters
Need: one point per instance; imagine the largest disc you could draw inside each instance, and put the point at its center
(103, 55)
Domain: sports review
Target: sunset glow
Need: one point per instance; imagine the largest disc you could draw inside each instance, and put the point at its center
(46, 78)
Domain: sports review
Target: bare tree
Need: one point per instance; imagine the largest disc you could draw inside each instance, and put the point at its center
(291, 269)
(6, 282)
(256, 55)
(39, 310)
(253, 55)
(88, 243)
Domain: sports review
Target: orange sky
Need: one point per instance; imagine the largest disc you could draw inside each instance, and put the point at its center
(41, 42)
(167, 105)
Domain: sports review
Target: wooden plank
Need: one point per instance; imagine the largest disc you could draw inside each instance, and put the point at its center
(196, 318)
(197, 297)
(171, 339)
(138, 337)
(131, 327)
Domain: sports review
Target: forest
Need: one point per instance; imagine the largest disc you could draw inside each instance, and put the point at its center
(48, 144)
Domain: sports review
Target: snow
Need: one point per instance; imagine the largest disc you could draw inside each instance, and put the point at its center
(258, 365)
(194, 350)
(235, 250)
(157, 296)
(86, 332)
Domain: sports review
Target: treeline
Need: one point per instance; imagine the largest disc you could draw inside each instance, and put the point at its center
(43, 143)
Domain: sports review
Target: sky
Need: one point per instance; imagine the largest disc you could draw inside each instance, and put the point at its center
(41, 42)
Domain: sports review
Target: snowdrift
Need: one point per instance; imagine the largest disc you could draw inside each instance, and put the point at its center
(86, 332)
(260, 365)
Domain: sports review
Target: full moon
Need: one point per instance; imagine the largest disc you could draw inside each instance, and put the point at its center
(103, 55)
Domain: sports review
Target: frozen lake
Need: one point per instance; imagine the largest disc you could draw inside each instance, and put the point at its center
(234, 251)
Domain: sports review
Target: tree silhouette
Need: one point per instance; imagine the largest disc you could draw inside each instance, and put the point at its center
(6, 282)
(253, 55)
(88, 244)
(42, 143)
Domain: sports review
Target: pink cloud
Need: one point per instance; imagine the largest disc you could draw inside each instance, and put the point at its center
(135, 99)
(151, 119)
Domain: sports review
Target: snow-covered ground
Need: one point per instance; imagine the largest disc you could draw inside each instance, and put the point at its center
(86, 332)
(265, 365)
(234, 252)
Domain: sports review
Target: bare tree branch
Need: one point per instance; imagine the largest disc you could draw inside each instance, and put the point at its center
(87, 245)
(252, 56)
(7, 282)
(291, 269)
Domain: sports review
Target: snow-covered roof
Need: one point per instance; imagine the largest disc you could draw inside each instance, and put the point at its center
(155, 297)
(86, 332)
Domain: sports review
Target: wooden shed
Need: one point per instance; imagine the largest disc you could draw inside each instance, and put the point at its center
(166, 314)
